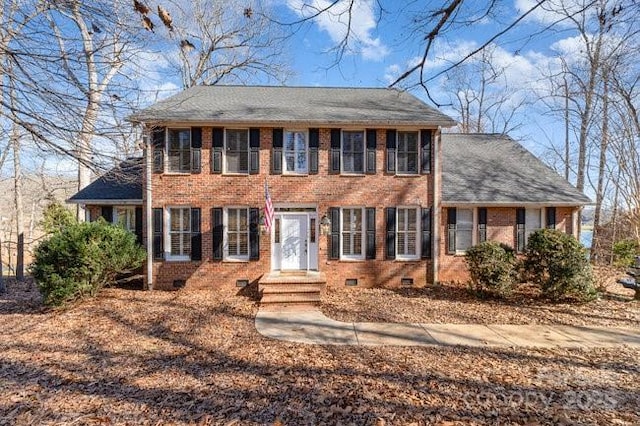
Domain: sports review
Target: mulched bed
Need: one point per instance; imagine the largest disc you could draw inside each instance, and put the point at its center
(194, 357)
(453, 303)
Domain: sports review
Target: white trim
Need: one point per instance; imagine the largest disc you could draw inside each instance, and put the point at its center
(328, 124)
(437, 207)
(418, 152)
(224, 152)
(470, 204)
(364, 152)
(225, 235)
(474, 228)
(418, 231)
(165, 166)
(306, 143)
(107, 202)
(166, 216)
(363, 228)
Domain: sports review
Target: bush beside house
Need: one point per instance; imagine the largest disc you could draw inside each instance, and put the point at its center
(554, 260)
(493, 268)
(79, 259)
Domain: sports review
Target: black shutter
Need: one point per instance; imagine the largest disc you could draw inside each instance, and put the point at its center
(314, 145)
(158, 234)
(157, 140)
(334, 152)
(390, 251)
(551, 217)
(196, 149)
(254, 233)
(196, 235)
(371, 232)
(520, 218)
(218, 232)
(371, 151)
(254, 151)
(391, 151)
(107, 213)
(217, 145)
(482, 224)
(451, 230)
(334, 241)
(276, 152)
(425, 150)
(425, 227)
(139, 225)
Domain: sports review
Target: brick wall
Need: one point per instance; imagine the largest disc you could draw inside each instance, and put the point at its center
(501, 225)
(207, 190)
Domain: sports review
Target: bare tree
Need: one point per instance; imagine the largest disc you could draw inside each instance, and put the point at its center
(482, 96)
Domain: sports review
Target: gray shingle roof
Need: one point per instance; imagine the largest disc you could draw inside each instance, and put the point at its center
(276, 104)
(123, 183)
(495, 169)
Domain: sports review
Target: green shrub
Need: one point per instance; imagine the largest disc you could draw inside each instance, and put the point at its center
(57, 217)
(493, 268)
(81, 259)
(558, 263)
(625, 251)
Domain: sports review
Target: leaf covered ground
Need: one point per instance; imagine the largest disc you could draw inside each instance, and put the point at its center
(194, 357)
(453, 303)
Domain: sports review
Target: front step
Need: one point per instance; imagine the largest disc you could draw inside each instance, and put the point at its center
(288, 290)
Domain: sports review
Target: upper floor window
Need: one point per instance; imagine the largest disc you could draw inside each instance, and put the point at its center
(352, 233)
(407, 233)
(352, 151)
(237, 151)
(295, 152)
(179, 150)
(407, 153)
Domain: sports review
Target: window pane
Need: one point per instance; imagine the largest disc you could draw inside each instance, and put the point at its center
(412, 219)
(353, 152)
(463, 239)
(301, 143)
(237, 151)
(290, 162)
(407, 156)
(346, 244)
(357, 242)
(532, 218)
(244, 220)
(244, 244)
(464, 218)
(233, 243)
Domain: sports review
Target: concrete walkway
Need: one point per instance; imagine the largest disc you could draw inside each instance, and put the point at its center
(314, 327)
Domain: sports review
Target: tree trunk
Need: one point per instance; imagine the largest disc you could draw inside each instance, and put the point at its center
(17, 180)
(604, 143)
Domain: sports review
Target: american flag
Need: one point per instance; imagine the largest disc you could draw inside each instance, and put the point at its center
(268, 208)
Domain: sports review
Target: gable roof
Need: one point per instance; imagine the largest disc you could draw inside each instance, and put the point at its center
(282, 105)
(120, 185)
(495, 169)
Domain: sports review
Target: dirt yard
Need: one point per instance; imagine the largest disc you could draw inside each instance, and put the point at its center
(194, 357)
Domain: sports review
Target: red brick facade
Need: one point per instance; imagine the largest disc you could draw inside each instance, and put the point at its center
(324, 190)
(501, 227)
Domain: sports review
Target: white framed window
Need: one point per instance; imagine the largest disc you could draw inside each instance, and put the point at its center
(125, 216)
(352, 152)
(532, 222)
(236, 151)
(351, 233)
(236, 233)
(179, 150)
(464, 230)
(408, 153)
(407, 233)
(179, 230)
(295, 152)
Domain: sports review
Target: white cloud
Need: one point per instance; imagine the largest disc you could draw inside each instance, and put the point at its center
(550, 12)
(335, 21)
(391, 73)
(446, 54)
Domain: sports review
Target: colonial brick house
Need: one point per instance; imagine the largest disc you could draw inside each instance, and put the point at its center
(366, 190)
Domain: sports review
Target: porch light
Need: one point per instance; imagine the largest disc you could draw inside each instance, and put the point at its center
(325, 225)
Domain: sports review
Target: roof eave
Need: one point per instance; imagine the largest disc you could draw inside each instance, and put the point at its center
(109, 202)
(455, 203)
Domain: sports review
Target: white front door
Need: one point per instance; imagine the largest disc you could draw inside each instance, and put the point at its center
(294, 241)
(294, 244)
